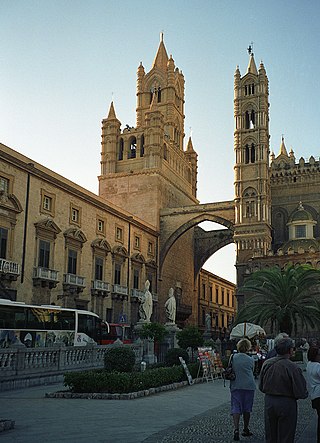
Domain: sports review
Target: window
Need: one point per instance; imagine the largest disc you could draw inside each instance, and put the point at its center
(136, 275)
(44, 254)
(3, 242)
(136, 242)
(72, 261)
(98, 271)
(150, 248)
(203, 290)
(109, 315)
(217, 295)
(119, 233)
(159, 94)
(47, 203)
(100, 226)
(211, 293)
(301, 231)
(142, 146)
(4, 185)
(132, 148)
(75, 215)
(120, 157)
(117, 274)
(222, 296)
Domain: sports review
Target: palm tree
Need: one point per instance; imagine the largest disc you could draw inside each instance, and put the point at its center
(283, 299)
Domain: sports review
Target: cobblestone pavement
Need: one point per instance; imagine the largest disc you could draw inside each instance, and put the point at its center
(215, 426)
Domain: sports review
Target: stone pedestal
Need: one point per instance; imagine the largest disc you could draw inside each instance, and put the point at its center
(148, 344)
(207, 336)
(171, 337)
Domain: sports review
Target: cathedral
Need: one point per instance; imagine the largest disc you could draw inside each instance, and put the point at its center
(61, 244)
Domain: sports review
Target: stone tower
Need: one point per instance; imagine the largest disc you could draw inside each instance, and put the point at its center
(252, 230)
(145, 168)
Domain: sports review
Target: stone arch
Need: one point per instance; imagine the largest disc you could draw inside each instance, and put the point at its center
(189, 225)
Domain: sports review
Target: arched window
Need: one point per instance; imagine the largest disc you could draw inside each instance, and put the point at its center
(159, 94)
(132, 152)
(120, 156)
(165, 153)
(249, 119)
(246, 154)
(253, 153)
(142, 146)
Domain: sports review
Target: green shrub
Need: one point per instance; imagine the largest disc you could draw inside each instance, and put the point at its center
(172, 356)
(190, 336)
(121, 359)
(120, 383)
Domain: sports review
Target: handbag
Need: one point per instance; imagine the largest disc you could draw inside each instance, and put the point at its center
(229, 373)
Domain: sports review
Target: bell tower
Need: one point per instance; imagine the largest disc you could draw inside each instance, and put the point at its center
(146, 168)
(252, 232)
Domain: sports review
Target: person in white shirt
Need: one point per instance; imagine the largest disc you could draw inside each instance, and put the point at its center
(313, 381)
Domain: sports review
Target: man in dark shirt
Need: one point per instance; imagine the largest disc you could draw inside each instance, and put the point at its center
(283, 383)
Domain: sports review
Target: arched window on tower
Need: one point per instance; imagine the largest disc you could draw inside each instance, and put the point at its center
(120, 156)
(250, 119)
(159, 94)
(249, 202)
(132, 152)
(165, 153)
(142, 146)
(246, 154)
(253, 153)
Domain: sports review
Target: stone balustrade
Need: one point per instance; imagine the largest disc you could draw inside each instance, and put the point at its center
(20, 366)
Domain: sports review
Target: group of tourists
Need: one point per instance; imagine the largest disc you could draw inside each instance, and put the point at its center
(283, 383)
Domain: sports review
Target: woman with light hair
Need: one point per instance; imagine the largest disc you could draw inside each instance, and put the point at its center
(242, 388)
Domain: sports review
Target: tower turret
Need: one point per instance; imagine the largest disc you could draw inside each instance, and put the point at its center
(109, 140)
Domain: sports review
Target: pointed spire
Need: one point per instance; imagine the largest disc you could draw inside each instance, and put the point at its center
(112, 113)
(252, 69)
(161, 58)
(283, 150)
(190, 145)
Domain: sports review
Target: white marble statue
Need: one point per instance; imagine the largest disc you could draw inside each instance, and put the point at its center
(146, 303)
(208, 322)
(171, 306)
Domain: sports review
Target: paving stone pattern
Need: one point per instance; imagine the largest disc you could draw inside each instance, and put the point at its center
(215, 425)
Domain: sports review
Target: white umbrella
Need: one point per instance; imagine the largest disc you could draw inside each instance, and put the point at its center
(246, 330)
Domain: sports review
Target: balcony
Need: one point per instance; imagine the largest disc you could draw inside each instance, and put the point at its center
(119, 291)
(99, 287)
(9, 270)
(45, 277)
(73, 283)
(136, 293)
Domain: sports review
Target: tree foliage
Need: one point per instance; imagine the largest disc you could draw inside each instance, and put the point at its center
(283, 299)
(189, 337)
(154, 331)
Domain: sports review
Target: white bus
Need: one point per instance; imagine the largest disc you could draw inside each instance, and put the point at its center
(46, 325)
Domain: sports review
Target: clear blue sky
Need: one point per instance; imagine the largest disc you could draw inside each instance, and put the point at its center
(63, 61)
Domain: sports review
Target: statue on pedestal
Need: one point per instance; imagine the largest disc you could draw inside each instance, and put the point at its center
(171, 306)
(146, 304)
(208, 322)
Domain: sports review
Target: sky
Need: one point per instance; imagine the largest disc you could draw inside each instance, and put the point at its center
(63, 61)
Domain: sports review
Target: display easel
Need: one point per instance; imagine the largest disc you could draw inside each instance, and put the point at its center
(205, 364)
